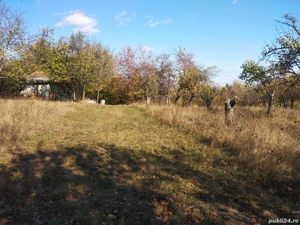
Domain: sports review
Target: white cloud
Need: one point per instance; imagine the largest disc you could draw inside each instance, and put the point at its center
(148, 48)
(196, 14)
(80, 21)
(163, 49)
(167, 21)
(124, 19)
(234, 1)
(152, 23)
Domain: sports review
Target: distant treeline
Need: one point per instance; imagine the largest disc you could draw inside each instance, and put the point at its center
(89, 69)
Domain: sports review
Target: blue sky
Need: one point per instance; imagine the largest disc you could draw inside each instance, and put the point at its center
(223, 33)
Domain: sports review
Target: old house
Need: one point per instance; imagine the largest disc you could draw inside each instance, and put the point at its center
(37, 84)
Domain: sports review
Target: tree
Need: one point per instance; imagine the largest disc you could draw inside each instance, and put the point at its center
(103, 64)
(284, 52)
(165, 76)
(283, 59)
(189, 83)
(190, 76)
(80, 63)
(289, 93)
(12, 36)
(183, 61)
(137, 70)
(208, 93)
(147, 73)
(267, 79)
(249, 96)
(81, 69)
(126, 69)
(58, 62)
(12, 33)
(36, 53)
(72, 62)
(15, 75)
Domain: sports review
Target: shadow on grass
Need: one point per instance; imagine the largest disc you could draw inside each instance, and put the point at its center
(70, 186)
(115, 185)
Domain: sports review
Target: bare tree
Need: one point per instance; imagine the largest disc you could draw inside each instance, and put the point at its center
(165, 76)
(284, 52)
(12, 33)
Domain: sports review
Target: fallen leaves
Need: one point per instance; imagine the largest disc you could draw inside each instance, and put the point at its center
(214, 213)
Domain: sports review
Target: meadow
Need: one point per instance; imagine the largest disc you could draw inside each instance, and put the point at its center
(79, 163)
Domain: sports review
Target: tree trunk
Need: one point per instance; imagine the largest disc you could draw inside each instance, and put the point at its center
(208, 104)
(191, 98)
(292, 103)
(270, 102)
(83, 93)
(283, 102)
(98, 94)
(73, 93)
(177, 98)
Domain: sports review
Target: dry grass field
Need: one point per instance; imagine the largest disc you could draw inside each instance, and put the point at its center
(76, 163)
(267, 145)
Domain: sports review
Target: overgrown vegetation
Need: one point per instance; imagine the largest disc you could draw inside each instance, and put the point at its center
(21, 119)
(91, 164)
(268, 146)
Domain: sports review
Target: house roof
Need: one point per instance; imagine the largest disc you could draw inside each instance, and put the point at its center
(38, 78)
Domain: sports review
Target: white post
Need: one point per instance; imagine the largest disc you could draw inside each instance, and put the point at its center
(148, 100)
(167, 100)
(228, 112)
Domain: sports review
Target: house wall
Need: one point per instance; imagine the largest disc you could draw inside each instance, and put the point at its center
(41, 90)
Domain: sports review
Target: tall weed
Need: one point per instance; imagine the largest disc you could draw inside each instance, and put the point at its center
(265, 145)
(22, 118)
